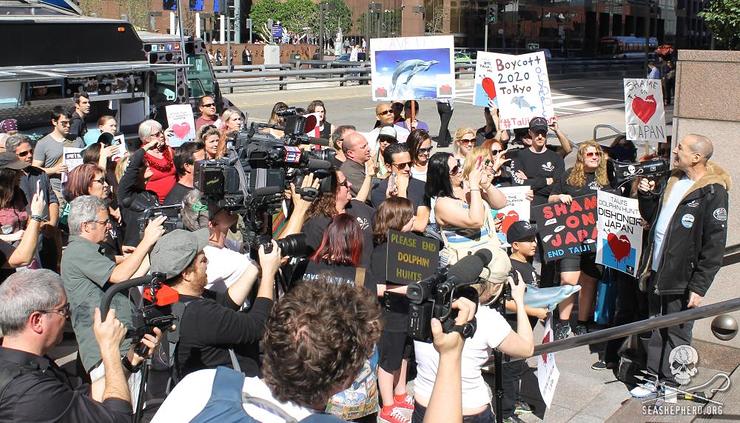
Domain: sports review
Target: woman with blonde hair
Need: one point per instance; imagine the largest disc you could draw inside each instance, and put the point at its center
(463, 142)
(213, 146)
(232, 120)
(586, 176)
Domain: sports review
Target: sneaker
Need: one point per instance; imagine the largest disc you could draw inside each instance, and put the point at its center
(513, 419)
(646, 390)
(603, 365)
(580, 329)
(562, 330)
(406, 402)
(521, 408)
(395, 415)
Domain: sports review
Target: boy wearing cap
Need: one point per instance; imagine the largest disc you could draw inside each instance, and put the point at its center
(210, 324)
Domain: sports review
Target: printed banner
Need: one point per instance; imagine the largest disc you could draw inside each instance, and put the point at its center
(411, 258)
(522, 88)
(643, 110)
(567, 230)
(619, 243)
(180, 120)
(72, 157)
(412, 68)
(517, 208)
(547, 371)
(484, 90)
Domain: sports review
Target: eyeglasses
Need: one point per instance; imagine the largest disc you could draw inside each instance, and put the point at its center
(101, 181)
(158, 134)
(344, 183)
(23, 153)
(209, 105)
(456, 169)
(385, 112)
(425, 150)
(592, 154)
(403, 165)
(493, 151)
(64, 311)
(102, 222)
(467, 140)
(64, 122)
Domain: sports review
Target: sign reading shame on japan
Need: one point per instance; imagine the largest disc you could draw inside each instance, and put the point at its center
(522, 88)
(411, 258)
(567, 230)
(643, 110)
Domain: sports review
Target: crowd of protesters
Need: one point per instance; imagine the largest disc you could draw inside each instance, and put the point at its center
(331, 341)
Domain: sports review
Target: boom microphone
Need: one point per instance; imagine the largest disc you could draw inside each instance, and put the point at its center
(315, 164)
(320, 141)
(468, 269)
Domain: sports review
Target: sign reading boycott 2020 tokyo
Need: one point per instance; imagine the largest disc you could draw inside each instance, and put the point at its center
(567, 229)
(522, 88)
(643, 110)
(411, 258)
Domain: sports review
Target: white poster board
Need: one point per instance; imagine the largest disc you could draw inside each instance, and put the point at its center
(547, 371)
(412, 68)
(517, 208)
(522, 88)
(619, 243)
(484, 89)
(644, 113)
(72, 157)
(182, 123)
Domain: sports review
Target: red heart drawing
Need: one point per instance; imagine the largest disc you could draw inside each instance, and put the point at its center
(511, 217)
(489, 88)
(381, 92)
(644, 108)
(181, 130)
(620, 246)
(445, 90)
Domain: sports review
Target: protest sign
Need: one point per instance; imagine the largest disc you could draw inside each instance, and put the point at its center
(619, 242)
(567, 229)
(484, 91)
(411, 258)
(522, 89)
(547, 371)
(517, 208)
(72, 157)
(120, 141)
(412, 68)
(180, 120)
(643, 110)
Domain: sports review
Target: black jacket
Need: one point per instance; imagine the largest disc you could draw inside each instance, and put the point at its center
(693, 246)
(133, 199)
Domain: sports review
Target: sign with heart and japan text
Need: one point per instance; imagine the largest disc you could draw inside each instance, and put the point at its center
(517, 208)
(619, 241)
(643, 111)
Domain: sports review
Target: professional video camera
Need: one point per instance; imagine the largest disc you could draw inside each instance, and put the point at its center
(257, 170)
(622, 172)
(433, 297)
(172, 213)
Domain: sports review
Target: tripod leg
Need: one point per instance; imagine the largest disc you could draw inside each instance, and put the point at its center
(142, 387)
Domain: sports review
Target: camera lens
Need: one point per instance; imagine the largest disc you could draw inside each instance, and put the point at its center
(326, 155)
(293, 245)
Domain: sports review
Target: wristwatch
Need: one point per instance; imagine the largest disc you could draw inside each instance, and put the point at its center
(126, 363)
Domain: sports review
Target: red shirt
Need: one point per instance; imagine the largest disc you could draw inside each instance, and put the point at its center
(163, 174)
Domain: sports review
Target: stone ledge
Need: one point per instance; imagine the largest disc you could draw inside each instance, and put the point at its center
(709, 56)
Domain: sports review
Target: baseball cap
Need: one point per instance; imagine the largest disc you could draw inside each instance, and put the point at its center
(9, 160)
(520, 230)
(7, 125)
(174, 252)
(538, 124)
(387, 131)
(105, 138)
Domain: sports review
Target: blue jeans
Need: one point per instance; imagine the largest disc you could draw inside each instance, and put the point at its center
(485, 416)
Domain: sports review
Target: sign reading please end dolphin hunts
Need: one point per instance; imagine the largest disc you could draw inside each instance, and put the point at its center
(643, 110)
(522, 88)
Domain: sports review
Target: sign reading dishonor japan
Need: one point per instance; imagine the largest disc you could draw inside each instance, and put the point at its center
(643, 111)
(619, 243)
(411, 258)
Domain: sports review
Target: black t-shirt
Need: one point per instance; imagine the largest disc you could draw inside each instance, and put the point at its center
(538, 167)
(562, 187)
(339, 274)
(526, 270)
(177, 194)
(314, 228)
(414, 192)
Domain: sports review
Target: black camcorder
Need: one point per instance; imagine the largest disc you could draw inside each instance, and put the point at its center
(433, 297)
(622, 172)
(172, 213)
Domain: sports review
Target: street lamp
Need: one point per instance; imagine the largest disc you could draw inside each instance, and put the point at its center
(323, 8)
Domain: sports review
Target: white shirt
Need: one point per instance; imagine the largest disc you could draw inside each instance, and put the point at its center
(666, 214)
(191, 395)
(225, 266)
(491, 331)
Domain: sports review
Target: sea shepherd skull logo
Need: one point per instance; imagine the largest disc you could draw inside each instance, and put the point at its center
(683, 360)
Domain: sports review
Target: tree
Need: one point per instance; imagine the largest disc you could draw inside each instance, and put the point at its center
(722, 17)
(263, 10)
(338, 16)
(435, 23)
(297, 15)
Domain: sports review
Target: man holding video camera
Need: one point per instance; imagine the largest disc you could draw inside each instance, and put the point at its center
(688, 229)
(32, 387)
(210, 326)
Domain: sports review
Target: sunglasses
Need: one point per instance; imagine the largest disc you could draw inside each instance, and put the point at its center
(425, 150)
(593, 154)
(101, 181)
(467, 141)
(344, 183)
(495, 151)
(456, 169)
(403, 165)
(385, 112)
(209, 105)
(23, 153)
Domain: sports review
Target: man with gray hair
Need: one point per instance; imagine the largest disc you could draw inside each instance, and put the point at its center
(32, 386)
(87, 273)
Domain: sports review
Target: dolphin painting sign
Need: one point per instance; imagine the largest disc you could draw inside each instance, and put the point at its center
(416, 68)
(521, 87)
(643, 110)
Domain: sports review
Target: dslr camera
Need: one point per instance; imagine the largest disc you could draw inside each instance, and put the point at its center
(621, 173)
(171, 213)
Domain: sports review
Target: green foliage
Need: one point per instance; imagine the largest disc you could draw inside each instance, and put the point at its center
(299, 14)
(722, 17)
(338, 14)
(262, 10)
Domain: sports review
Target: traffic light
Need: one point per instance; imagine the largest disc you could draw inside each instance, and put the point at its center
(491, 14)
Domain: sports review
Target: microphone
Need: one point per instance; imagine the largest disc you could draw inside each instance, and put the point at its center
(320, 141)
(267, 191)
(468, 269)
(315, 164)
